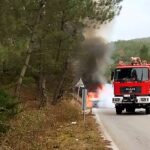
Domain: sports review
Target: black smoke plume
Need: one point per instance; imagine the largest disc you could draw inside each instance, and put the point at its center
(94, 58)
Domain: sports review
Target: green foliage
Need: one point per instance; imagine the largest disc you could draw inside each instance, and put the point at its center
(124, 50)
(28, 80)
(8, 109)
(51, 30)
(132, 48)
(144, 53)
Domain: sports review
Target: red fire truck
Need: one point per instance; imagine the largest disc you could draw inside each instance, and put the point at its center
(131, 87)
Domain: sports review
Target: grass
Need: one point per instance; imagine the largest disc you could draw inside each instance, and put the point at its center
(57, 127)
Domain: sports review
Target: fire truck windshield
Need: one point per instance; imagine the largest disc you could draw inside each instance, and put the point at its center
(131, 74)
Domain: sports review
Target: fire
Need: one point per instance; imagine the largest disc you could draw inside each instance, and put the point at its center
(94, 95)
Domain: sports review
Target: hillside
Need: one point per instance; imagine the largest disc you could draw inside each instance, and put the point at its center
(124, 49)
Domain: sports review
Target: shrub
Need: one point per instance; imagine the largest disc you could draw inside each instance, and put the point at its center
(28, 80)
(8, 109)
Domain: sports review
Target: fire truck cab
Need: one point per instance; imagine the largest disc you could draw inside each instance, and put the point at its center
(131, 87)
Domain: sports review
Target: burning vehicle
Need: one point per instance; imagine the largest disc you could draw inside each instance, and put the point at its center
(94, 95)
(101, 97)
(132, 86)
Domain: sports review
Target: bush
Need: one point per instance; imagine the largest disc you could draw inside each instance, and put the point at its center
(28, 80)
(8, 109)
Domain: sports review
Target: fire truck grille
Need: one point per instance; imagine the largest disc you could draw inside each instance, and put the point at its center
(130, 90)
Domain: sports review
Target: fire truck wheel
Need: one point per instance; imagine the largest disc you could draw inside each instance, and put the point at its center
(118, 110)
(148, 110)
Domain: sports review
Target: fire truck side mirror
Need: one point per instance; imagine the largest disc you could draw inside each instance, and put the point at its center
(112, 75)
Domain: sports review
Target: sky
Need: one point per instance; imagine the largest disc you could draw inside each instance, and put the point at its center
(133, 22)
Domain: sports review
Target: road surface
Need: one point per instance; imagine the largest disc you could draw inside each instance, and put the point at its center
(128, 131)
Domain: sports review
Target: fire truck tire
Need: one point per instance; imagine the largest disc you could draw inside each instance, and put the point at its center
(148, 110)
(118, 110)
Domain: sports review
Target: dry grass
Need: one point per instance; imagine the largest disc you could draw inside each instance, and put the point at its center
(51, 128)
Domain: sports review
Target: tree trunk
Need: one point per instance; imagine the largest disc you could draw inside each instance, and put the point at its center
(42, 80)
(59, 91)
(29, 49)
(60, 41)
(42, 91)
(23, 71)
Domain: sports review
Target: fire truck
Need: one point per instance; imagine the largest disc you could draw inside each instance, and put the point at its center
(131, 87)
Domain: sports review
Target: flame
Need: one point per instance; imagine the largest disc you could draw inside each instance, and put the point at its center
(94, 95)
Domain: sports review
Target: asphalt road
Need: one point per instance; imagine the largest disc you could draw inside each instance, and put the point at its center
(128, 131)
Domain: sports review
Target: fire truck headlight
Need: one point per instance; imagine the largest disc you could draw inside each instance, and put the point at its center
(116, 99)
(148, 99)
(143, 99)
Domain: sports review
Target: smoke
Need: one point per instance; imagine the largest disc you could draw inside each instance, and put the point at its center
(95, 56)
(93, 60)
(106, 95)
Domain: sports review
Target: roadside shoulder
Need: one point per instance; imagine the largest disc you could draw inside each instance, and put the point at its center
(104, 132)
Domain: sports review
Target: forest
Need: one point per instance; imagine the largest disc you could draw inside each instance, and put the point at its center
(40, 49)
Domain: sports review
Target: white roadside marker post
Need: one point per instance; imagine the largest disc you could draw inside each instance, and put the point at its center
(84, 96)
(80, 86)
